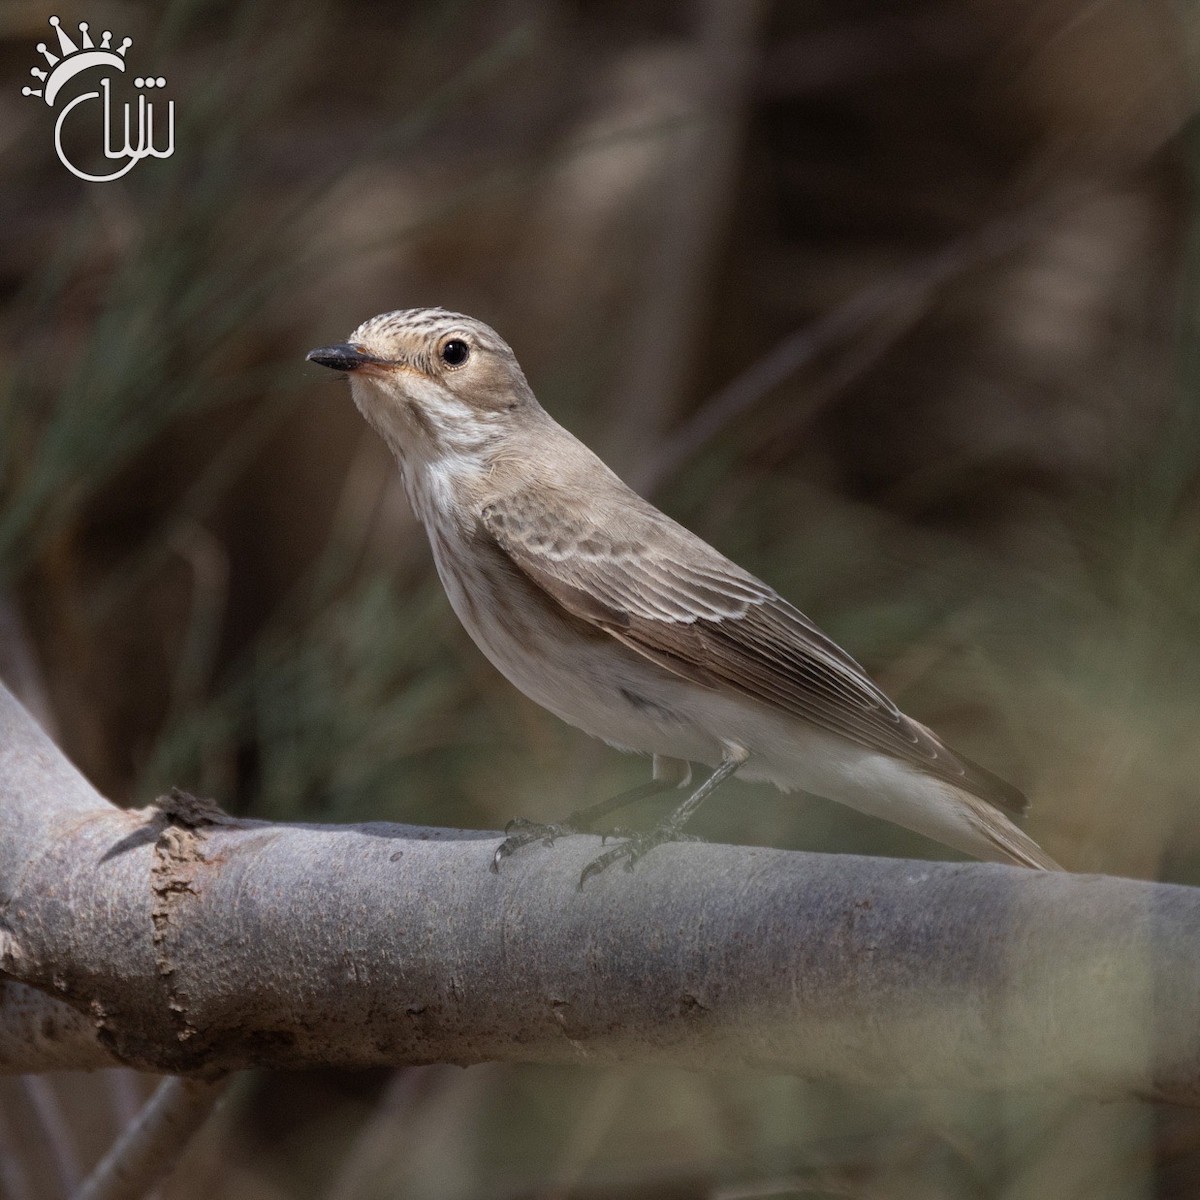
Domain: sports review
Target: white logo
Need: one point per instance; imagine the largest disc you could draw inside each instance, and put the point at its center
(74, 60)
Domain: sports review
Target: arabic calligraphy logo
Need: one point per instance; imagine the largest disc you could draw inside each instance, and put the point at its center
(74, 60)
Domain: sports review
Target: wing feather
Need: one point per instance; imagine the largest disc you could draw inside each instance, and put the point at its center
(668, 595)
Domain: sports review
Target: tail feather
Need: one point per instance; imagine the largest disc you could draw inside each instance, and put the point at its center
(992, 788)
(1011, 844)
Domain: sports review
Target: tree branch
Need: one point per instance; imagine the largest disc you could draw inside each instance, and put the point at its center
(193, 942)
(151, 1146)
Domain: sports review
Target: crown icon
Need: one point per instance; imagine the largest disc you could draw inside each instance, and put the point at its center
(72, 59)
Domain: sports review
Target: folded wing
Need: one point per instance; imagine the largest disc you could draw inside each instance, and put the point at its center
(667, 594)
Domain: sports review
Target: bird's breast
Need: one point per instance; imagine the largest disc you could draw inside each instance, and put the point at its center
(578, 672)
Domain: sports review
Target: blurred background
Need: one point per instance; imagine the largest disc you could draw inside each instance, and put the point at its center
(894, 303)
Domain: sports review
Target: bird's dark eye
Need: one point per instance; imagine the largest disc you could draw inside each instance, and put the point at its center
(455, 352)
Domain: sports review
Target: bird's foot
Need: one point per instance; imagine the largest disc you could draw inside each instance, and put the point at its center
(521, 832)
(524, 833)
(634, 846)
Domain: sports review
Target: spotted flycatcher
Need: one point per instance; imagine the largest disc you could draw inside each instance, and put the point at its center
(623, 623)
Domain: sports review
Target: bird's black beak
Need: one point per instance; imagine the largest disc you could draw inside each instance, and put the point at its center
(342, 357)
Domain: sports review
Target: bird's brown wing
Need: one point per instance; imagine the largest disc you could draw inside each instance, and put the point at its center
(667, 594)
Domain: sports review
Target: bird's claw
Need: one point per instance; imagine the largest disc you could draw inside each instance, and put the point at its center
(520, 823)
(522, 832)
(635, 846)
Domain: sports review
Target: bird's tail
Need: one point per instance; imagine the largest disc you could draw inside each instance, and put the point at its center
(1008, 843)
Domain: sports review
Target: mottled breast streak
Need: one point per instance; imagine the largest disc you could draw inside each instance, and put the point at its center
(574, 669)
(499, 607)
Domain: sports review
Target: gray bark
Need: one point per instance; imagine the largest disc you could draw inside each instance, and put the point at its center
(178, 939)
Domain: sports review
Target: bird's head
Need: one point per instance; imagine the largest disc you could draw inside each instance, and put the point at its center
(432, 382)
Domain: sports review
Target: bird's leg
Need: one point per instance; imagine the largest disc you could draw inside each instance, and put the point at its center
(521, 832)
(671, 830)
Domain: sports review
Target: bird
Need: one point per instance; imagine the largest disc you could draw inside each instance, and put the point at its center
(605, 611)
